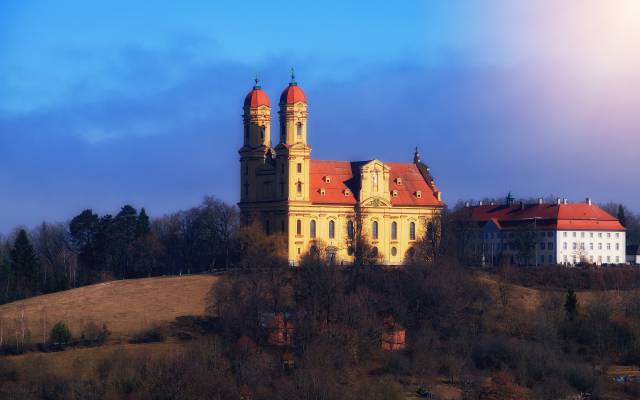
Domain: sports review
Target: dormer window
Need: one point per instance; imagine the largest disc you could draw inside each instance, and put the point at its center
(327, 179)
(347, 192)
(394, 193)
(419, 194)
(398, 181)
(322, 192)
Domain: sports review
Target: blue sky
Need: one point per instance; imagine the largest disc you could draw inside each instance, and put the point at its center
(128, 102)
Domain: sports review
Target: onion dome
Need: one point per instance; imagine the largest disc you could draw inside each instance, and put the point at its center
(257, 97)
(293, 93)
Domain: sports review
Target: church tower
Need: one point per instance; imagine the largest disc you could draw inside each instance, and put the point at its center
(293, 154)
(257, 141)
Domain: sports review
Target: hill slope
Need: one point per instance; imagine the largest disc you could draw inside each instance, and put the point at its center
(126, 306)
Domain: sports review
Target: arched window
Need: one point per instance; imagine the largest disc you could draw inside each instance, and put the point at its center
(350, 230)
(394, 231)
(262, 132)
(299, 130)
(430, 231)
(299, 187)
(332, 229)
(312, 229)
(374, 230)
(412, 231)
(298, 227)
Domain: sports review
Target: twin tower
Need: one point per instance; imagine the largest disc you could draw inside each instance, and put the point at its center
(280, 173)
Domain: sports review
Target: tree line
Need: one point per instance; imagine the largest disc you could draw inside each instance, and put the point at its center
(92, 248)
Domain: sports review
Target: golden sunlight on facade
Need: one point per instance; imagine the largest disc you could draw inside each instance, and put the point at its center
(315, 202)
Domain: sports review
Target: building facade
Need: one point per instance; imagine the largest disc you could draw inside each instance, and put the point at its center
(314, 202)
(547, 234)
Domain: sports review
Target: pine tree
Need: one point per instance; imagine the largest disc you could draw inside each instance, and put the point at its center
(142, 224)
(621, 217)
(571, 304)
(24, 264)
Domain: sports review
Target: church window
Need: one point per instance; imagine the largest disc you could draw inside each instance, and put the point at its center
(299, 130)
(332, 229)
(298, 227)
(350, 231)
(412, 231)
(394, 251)
(299, 167)
(299, 187)
(374, 251)
(262, 132)
(312, 229)
(394, 230)
(430, 231)
(374, 230)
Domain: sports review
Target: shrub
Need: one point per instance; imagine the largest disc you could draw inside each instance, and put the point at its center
(60, 334)
(93, 335)
(150, 335)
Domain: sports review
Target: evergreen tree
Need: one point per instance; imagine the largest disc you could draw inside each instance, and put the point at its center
(621, 217)
(571, 304)
(143, 226)
(25, 265)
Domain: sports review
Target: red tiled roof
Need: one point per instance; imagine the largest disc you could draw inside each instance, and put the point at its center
(292, 94)
(256, 98)
(575, 216)
(344, 175)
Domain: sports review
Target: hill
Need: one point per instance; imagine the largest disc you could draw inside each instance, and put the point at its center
(125, 306)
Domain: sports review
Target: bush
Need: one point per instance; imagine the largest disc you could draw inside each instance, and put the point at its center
(93, 335)
(60, 334)
(150, 335)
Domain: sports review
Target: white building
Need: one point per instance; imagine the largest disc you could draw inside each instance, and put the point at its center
(547, 234)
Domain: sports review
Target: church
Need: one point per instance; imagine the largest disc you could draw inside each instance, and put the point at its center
(315, 202)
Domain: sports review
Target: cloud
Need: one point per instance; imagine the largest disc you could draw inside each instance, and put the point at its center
(161, 128)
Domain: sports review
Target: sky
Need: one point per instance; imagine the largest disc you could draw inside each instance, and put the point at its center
(120, 102)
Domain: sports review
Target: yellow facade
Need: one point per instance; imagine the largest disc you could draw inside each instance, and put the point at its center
(276, 188)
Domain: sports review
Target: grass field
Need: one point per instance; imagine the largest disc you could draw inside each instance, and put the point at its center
(126, 306)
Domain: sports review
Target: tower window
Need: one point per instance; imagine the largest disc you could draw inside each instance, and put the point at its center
(312, 229)
(299, 187)
(299, 130)
(374, 230)
(262, 132)
(298, 227)
(299, 167)
(412, 231)
(394, 230)
(332, 229)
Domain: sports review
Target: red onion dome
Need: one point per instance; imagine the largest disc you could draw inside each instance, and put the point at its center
(256, 97)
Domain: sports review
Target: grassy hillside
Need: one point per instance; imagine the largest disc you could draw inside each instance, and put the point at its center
(126, 306)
